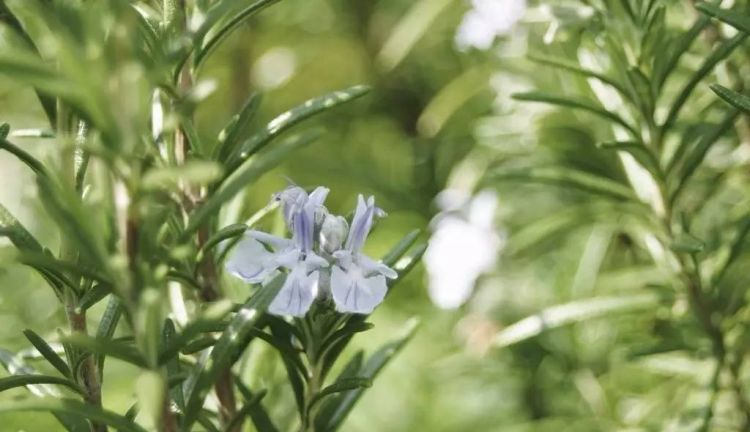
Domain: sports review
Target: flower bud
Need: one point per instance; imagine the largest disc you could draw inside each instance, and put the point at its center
(333, 232)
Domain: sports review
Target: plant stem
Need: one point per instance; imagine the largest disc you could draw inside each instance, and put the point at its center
(735, 368)
(89, 373)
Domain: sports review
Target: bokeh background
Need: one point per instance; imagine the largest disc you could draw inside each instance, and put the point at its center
(440, 114)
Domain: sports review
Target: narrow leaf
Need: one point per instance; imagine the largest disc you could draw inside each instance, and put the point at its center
(245, 411)
(569, 313)
(581, 104)
(582, 181)
(227, 347)
(400, 248)
(233, 134)
(48, 353)
(258, 415)
(294, 116)
(723, 51)
(75, 408)
(340, 386)
(108, 348)
(374, 365)
(216, 38)
(694, 157)
(577, 69)
(733, 98)
(736, 19)
(15, 381)
(107, 327)
(247, 173)
(645, 157)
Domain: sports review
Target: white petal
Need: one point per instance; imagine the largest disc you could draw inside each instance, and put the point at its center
(318, 196)
(277, 243)
(457, 255)
(315, 262)
(353, 293)
(370, 266)
(250, 261)
(296, 295)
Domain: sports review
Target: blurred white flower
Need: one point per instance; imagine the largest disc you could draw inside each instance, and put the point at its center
(464, 245)
(274, 68)
(486, 20)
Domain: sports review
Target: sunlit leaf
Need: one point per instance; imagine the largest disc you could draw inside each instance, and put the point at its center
(576, 103)
(569, 313)
(293, 117)
(248, 172)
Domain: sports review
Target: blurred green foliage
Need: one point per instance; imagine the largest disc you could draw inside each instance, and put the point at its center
(637, 357)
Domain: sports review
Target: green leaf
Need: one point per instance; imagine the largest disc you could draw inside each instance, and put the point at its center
(74, 408)
(75, 222)
(694, 157)
(723, 51)
(645, 157)
(8, 18)
(374, 365)
(173, 366)
(215, 39)
(192, 172)
(94, 295)
(569, 313)
(51, 264)
(681, 45)
(4, 130)
(577, 69)
(15, 366)
(293, 117)
(575, 103)
(228, 232)
(579, 180)
(24, 157)
(342, 385)
(226, 349)
(736, 19)
(233, 134)
(107, 327)
(26, 380)
(735, 250)
(247, 173)
(22, 239)
(687, 243)
(245, 411)
(400, 248)
(48, 353)
(107, 348)
(260, 418)
(11, 228)
(733, 98)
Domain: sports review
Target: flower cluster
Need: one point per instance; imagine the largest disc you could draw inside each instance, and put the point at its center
(323, 258)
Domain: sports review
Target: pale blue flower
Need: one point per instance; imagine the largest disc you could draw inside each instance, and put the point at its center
(259, 255)
(358, 282)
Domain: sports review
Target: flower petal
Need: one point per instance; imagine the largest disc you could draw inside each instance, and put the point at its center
(370, 266)
(318, 196)
(361, 223)
(353, 293)
(296, 295)
(277, 243)
(250, 261)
